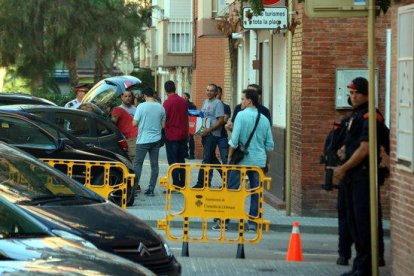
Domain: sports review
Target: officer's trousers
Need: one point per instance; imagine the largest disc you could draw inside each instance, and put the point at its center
(358, 217)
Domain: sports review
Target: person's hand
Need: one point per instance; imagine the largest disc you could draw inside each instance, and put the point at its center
(229, 126)
(205, 132)
(338, 174)
(341, 153)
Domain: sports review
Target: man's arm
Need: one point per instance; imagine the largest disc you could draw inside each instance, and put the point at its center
(359, 155)
(230, 154)
(219, 122)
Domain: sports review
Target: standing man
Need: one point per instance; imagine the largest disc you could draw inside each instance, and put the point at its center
(176, 131)
(223, 142)
(258, 150)
(354, 173)
(81, 91)
(213, 110)
(150, 119)
(122, 117)
(191, 145)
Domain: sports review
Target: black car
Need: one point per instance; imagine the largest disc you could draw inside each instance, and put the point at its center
(63, 204)
(21, 98)
(42, 140)
(86, 126)
(27, 246)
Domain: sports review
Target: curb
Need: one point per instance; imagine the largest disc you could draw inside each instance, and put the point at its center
(282, 228)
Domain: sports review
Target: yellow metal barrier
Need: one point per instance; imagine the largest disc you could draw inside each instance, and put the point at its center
(102, 183)
(214, 200)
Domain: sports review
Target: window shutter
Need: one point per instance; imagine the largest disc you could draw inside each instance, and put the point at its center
(405, 86)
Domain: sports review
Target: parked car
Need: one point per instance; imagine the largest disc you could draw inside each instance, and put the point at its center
(27, 246)
(87, 126)
(63, 204)
(37, 137)
(21, 98)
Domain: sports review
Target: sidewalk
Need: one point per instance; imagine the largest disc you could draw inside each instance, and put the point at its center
(151, 209)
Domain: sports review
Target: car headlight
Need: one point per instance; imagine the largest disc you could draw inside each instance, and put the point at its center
(74, 238)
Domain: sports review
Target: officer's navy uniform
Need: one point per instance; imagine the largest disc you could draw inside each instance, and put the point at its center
(356, 185)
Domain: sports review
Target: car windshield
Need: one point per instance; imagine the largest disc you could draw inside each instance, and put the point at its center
(26, 181)
(15, 224)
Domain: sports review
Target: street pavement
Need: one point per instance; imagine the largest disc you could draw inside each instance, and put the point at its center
(152, 209)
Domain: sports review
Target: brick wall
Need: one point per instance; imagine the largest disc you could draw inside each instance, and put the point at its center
(210, 59)
(401, 192)
(321, 45)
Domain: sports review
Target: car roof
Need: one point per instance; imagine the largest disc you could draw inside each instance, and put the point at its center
(25, 107)
(22, 97)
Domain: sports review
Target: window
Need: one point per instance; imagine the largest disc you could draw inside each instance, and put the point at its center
(73, 123)
(218, 8)
(405, 86)
(102, 130)
(19, 132)
(180, 36)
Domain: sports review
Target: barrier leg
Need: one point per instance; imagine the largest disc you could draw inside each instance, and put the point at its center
(184, 251)
(240, 251)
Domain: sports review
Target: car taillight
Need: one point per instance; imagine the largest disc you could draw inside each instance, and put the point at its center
(123, 144)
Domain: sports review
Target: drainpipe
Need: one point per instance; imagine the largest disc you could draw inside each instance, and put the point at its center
(288, 149)
(388, 80)
(372, 122)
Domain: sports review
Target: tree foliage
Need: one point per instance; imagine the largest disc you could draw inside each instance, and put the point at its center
(38, 34)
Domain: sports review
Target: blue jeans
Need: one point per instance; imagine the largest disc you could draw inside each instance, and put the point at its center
(223, 145)
(234, 184)
(176, 151)
(153, 149)
(209, 157)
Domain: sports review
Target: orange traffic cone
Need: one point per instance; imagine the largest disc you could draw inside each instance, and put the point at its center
(294, 253)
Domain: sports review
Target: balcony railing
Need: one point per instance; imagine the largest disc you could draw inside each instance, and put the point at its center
(180, 36)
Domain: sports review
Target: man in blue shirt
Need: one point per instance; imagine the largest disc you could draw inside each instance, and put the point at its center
(150, 119)
(258, 151)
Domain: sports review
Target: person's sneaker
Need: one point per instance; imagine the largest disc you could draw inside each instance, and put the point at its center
(149, 193)
(342, 261)
(217, 226)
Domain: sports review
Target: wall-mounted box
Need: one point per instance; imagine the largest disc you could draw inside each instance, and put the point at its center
(343, 77)
(337, 8)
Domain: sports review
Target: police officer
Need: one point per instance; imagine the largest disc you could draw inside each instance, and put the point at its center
(80, 93)
(354, 173)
